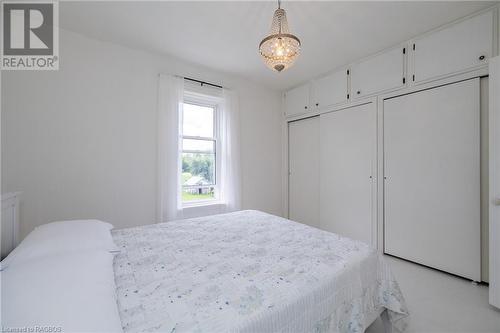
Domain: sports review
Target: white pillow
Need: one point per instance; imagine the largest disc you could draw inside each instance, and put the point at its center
(61, 237)
(74, 291)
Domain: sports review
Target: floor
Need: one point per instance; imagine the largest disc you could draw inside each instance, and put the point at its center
(439, 302)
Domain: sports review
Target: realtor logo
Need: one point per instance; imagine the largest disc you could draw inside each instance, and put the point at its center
(30, 35)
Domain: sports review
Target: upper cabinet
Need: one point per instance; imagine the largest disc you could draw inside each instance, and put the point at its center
(381, 72)
(329, 90)
(456, 48)
(297, 101)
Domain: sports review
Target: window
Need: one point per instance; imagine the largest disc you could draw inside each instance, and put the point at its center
(199, 152)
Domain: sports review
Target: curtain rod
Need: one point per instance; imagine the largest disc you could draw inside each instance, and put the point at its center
(203, 82)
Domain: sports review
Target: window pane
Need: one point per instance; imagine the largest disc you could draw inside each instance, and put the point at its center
(198, 120)
(198, 176)
(200, 146)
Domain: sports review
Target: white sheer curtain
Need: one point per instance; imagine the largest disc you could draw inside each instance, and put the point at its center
(170, 101)
(230, 178)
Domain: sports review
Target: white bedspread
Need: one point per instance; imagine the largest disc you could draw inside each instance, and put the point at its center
(249, 272)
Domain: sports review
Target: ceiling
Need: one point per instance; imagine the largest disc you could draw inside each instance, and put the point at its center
(224, 36)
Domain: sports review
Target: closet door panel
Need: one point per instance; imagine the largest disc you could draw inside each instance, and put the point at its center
(379, 73)
(297, 100)
(432, 185)
(303, 154)
(455, 48)
(348, 143)
(330, 90)
(494, 185)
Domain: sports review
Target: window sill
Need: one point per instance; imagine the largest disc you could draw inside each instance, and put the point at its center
(203, 203)
(204, 208)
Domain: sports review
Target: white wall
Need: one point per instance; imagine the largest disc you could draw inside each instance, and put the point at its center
(81, 142)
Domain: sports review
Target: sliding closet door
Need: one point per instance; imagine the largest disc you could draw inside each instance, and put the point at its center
(432, 185)
(494, 178)
(348, 148)
(303, 154)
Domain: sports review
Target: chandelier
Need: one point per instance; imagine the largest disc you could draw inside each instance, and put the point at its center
(280, 48)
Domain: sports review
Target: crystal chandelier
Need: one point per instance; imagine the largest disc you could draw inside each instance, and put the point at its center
(280, 48)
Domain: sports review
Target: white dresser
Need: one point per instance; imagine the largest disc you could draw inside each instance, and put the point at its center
(10, 222)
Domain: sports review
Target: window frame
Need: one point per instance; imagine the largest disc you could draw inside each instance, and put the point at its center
(213, 103)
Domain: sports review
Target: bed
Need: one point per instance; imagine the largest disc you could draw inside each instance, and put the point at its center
(245, 271)
(249, 271)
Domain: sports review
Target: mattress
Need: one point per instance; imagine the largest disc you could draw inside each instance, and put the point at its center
(249, 271)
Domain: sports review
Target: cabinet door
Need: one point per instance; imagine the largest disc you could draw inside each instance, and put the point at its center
(494, 186)
(347, 159)
(432, 185)
(379, 73)
(303, 148)
(330, 90)
(297, 100)
(457, 48)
